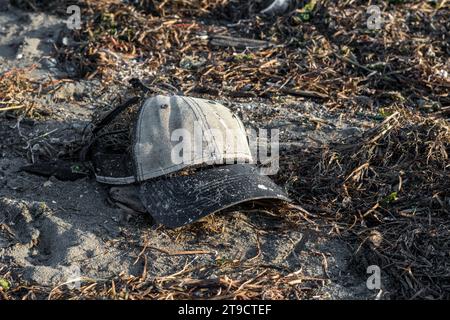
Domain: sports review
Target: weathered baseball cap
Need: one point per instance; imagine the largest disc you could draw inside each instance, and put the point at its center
(190, 157)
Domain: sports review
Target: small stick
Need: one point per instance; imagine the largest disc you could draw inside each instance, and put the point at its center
(304, 93)
(11, 108)
(180, 253)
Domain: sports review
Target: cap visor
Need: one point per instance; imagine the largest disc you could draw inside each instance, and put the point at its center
(180, 200)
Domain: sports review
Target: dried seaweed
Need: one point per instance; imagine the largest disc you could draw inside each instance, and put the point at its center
(388, 192)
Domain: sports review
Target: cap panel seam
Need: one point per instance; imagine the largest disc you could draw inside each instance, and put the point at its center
(206, 122)
(137, 133)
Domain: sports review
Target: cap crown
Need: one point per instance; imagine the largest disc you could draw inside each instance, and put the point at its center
(175, 132)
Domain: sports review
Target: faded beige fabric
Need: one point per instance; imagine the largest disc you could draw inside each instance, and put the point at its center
(175, 132)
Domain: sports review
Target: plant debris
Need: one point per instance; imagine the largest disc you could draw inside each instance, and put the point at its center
(394, 183)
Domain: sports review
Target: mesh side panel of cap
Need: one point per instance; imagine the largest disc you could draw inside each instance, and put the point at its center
(111, 152)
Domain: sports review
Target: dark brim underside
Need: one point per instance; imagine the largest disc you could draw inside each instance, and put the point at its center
(181, 200)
